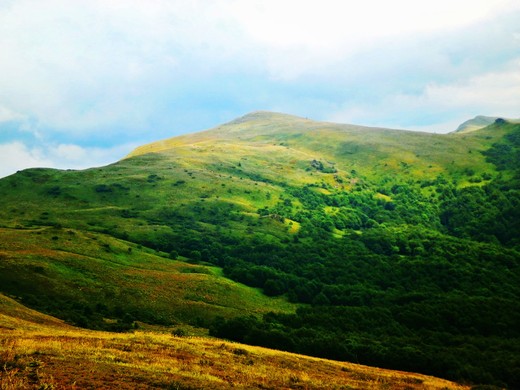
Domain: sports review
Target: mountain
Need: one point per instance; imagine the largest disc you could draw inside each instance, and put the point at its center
(386, 247)
(479, 122)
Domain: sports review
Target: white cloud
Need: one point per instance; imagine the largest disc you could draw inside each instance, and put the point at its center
(17, 156)
(76, 157)
(493, 93)
(80, 65)
(88, 67)
(497, 92)
(7, 115)
(300, 36)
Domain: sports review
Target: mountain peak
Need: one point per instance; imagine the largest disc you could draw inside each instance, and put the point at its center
(262, 116)
(481, 121)
(476, 123)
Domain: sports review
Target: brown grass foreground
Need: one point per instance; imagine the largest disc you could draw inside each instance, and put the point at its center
(39, 352)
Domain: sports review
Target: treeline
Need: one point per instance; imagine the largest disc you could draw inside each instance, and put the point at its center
(431, 337)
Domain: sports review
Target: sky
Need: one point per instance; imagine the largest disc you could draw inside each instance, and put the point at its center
(83, 82)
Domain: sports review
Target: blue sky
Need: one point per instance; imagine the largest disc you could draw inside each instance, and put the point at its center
(84, 82)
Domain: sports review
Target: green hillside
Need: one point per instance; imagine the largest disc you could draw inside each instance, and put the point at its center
(385, 247)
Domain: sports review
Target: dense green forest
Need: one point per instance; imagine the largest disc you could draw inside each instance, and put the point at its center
(387, 264)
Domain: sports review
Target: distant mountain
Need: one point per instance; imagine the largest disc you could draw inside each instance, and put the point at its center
(391, 248)
(476, 123)
(479, 122)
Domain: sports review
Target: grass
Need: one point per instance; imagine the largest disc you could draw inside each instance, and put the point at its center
(39, 352)
(287, 143)
(67, 265)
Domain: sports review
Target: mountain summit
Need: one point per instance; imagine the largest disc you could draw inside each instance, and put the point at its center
(260, 136)
(256, 124)
(479, 122)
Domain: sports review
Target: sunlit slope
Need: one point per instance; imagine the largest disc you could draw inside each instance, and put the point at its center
(179, 194)
(288, 144)
(38, 351)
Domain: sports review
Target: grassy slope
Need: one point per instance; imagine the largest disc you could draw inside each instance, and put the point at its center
(376, 151)
(38, 351)
(69, 250)
(242, 166)
(91, 268)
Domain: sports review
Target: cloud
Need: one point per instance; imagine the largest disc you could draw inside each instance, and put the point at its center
(86, 65)
(300, 37)
(76, 157)
(491, 93)
(6, 115)
(103, 72)
(17, 156)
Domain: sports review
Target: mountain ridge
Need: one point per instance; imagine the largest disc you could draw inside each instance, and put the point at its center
(266, 122)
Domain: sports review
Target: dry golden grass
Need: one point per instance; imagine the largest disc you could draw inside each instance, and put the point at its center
(39, 352)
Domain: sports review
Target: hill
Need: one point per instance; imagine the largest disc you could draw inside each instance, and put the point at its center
(385, 247)
(14, 316)
(41, 352)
